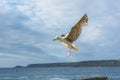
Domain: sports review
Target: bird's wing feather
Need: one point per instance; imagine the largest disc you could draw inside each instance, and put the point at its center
(76, 30)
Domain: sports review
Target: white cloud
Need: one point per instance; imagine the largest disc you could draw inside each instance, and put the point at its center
(91, 33)
(53, 16)
(5, 8)
(15, 56)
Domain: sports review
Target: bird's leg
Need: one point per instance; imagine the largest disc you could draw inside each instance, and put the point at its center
(69, 52)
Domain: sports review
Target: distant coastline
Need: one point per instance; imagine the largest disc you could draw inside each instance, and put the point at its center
(95, 63)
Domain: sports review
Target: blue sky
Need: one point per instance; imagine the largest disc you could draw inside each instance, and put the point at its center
(27, 29)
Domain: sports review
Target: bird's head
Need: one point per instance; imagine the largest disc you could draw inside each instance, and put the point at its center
(56, 38)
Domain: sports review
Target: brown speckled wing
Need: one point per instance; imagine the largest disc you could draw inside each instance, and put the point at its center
(76, 30)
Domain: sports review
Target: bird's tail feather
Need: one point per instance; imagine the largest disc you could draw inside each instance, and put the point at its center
(75, 48)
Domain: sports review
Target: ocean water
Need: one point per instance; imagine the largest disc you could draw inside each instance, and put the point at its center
(113, 73)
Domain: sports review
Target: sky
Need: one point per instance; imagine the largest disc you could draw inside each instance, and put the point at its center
(28, 27)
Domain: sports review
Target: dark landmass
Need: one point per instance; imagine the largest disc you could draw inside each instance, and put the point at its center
(96, 63)
(19, 67)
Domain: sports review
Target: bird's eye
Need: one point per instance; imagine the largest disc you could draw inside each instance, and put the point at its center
(62, 35)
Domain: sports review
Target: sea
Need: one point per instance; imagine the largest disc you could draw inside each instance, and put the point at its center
(59, 73)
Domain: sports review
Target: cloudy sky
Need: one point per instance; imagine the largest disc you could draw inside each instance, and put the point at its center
(27, 29)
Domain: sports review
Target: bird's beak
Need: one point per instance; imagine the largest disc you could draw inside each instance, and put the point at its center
(54, 39)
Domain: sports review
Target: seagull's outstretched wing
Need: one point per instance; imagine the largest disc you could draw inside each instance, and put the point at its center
(76, 30)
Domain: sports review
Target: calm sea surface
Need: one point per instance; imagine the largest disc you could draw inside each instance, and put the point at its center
(113, 73)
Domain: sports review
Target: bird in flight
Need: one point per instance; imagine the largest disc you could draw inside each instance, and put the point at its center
(68, 39)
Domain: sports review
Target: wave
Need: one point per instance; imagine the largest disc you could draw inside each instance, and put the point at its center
(115, 77)
(58, 79)
(14, 78)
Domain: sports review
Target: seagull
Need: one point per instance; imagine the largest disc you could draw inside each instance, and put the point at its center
(68, 39)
